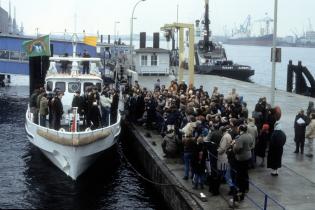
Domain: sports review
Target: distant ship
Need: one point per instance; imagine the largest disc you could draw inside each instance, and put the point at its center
(265, 40)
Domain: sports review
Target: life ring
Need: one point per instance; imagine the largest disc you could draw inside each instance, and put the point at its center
(87, 129)
(62, 130)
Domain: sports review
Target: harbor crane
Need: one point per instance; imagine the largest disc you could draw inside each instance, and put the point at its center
(267, 20)
(245, 28)
(181, 26)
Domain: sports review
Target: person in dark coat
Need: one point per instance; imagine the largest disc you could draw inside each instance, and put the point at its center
(57, 110)
(214, 139)
(114, 108)
(86, 64)
(300, 123)
(170, 144)
(189, 144)
(277, 141)
(199, 163)
(77, 101)
(95, 116)
(263, 139)
(310, 109)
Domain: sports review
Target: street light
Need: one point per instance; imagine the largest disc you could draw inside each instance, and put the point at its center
(116, 22)
(131, 30)
(274, 42)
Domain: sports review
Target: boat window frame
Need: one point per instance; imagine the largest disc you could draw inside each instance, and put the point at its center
(99, 86)
(48, 86)
(60, 88)
(70, 88)
(86, 86)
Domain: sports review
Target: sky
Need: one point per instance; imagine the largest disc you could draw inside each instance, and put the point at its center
(54, 16)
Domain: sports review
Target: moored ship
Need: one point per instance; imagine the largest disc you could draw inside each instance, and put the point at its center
(211, 56)
(75, 145)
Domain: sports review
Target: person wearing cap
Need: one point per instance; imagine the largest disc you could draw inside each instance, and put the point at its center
(300, 124)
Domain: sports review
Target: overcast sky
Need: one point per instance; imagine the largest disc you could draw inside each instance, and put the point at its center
(100, 15)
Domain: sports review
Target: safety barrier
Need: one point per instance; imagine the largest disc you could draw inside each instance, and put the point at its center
(266, 198)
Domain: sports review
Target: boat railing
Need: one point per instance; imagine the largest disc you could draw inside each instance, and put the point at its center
(74, 138)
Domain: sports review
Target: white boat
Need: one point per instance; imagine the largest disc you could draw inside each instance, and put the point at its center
(72, 151)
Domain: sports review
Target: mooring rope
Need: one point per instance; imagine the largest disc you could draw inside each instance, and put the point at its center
(120, 151)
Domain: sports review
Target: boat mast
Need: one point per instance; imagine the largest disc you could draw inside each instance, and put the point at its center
(74, 38)
(206, 26)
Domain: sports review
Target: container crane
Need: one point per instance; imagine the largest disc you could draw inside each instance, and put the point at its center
(267, 20)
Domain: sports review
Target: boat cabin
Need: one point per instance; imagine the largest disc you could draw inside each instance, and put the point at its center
(69, 82)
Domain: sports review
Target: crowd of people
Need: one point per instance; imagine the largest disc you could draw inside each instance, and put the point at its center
(96, 109)
(213, 133)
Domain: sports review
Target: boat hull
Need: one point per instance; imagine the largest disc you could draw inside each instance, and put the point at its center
(71, 154)
(234, 72)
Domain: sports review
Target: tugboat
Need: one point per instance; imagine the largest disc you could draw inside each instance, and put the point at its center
(75, 146)
(211, 57)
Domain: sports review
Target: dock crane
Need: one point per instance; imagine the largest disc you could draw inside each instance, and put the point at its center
(245, 28)
(181, 26)
(267, 20)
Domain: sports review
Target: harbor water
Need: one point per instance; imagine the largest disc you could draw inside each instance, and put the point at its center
(28, 180)
(258, 58)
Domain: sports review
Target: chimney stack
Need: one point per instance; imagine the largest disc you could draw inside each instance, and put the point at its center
(142, 39)
(156, 40)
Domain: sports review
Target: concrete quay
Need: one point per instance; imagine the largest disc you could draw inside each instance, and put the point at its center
(294, 188)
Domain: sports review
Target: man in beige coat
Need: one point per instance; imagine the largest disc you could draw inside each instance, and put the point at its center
(43, 109)
(310, 135)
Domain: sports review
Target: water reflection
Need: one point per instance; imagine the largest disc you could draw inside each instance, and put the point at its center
(28, 180)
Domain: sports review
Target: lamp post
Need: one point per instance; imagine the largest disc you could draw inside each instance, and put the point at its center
(131, 30)
(115, 25)
(274, 42)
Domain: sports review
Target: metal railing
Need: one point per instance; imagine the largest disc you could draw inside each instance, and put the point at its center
(266, 196)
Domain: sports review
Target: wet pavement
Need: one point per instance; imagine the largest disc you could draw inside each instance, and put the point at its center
(294, 188)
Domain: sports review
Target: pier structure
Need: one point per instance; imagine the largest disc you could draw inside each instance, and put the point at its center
(294, 188)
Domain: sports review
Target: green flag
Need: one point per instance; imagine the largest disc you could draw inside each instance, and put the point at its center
(37, 47)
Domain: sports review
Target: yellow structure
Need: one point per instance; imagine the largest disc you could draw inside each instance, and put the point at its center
(181, 27)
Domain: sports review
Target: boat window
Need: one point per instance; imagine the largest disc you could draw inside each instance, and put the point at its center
(74, 86)
(49, 86)
(153, 60)
(61, 86)
(87, 84)
(4, 54)
(14, 55)
(144, 60)
(23, 56)
(99, 87)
